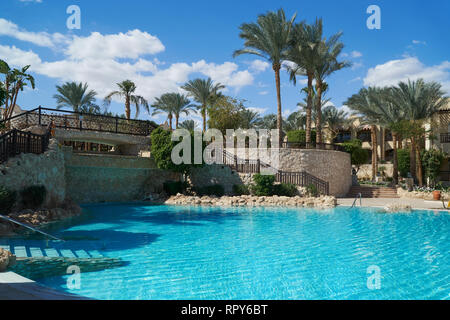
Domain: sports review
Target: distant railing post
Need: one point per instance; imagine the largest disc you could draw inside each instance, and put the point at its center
(258, 166)
(40, 115)
(28, 146)
(117, 124)
(81, 122)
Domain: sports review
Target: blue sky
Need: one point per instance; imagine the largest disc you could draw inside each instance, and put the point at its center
(161, 44)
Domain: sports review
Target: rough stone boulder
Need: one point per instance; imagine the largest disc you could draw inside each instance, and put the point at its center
(7, 260)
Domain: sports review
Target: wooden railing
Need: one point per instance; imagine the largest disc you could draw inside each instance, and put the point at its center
(79, 121)
(302, 179)
(445, 137)
(16, 142)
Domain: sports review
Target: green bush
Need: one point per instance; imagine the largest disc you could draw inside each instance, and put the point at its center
(403, 162)
(174, 187)
(212, 190)
(263, 185)
(285, 189)
(432, 162)
(241, 190)
(33, 197)
(7, 200)
(300, 136)
(359, 155)
(312, 190)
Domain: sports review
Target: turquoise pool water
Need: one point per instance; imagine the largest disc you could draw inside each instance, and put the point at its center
(263, 253)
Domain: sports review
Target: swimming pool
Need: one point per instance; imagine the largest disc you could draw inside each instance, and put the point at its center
(263, 253)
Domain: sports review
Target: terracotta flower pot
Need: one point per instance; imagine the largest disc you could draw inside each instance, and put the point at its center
(437, 195)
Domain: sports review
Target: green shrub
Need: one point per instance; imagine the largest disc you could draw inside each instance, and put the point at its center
(174, 187)
(300, 136)
(432, 162)
(263, 185)
(241, 190)
(359, 155)
(212, 190)
(403, 162)
(312, 190)
(7, 200)
(34, 196)
(285, 189)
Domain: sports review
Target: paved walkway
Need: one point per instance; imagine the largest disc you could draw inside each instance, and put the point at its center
(380, 202)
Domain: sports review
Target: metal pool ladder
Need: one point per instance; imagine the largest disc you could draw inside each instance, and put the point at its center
(30, 228)
(356, 199)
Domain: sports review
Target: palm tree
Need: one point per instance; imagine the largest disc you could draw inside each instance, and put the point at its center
(173, 104)
(126, 90)
(326, 64)
(295, 121)
(188, 125)
(249, 119)
(15, 81)
(270, 38)
(419, 101)
(334, 119)
(303, 53)
(76, 96)
(365, 103)
(203, 92)
(268, 122)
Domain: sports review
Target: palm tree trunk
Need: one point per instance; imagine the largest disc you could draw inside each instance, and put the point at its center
(177, 118)
(276, 68)
(170, 122)
(309, 109)
(319, 137)
(383, 144)
(419, 166)
(374, 151)
(412, 158)
(127, 108)
(395, 160)
(204, 118)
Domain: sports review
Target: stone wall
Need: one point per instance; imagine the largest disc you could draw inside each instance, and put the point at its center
(46, 169)
(331, 166)
(215, 174)
(94, 178)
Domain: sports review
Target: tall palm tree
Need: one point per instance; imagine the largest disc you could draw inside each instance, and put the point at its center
(76, 96)
(203, 92)
(270, 38)
(326, 64)
(365, 103)
(174, 104)
(188, 125)
(303, 53)
(249, 119)
(295, 121)
(126, 91)
(419, 101)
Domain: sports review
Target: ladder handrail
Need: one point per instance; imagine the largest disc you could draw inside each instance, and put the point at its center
(356, 199)
(30, 228)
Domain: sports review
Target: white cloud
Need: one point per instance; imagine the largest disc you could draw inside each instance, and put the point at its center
(356, 54)
(258, 66)
(394, 71)
(101, 64)
(263, 93)
(345, 109)
(357, 65)
(132, 44)
(261, 111)
(37, 1)
(43, 39)
(417, 42)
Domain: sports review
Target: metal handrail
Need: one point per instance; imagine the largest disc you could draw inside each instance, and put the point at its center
(30, 228)
(356, 199)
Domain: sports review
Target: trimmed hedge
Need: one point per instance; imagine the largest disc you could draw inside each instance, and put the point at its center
(33, 197)
(300, 136)
(7, 200)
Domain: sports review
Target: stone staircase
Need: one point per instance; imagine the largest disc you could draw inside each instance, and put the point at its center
(40, 252)
(373, 192)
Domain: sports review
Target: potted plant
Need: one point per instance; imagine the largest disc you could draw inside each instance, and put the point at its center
(437, 195)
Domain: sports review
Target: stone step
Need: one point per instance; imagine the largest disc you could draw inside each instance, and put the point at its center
(38, 252)
(373, 192)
